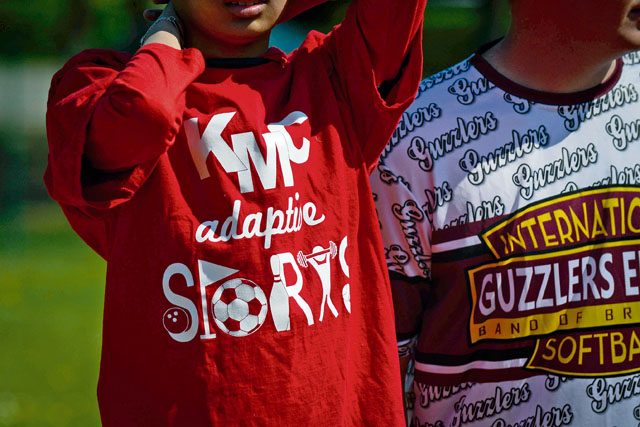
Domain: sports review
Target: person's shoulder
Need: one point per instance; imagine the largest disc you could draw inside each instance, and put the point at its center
(85, 68)
(437, 82)
(436, 93)
(627, 78)
(437, 109)
(108, 58)
(630, 67)
(312, 41)
(632, 58)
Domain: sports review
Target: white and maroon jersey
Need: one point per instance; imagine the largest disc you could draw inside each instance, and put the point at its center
(520, 212)
(246, 284)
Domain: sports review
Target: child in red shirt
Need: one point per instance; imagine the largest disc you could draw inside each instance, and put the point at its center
(226, 184)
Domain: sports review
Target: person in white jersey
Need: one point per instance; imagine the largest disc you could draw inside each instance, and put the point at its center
(509, 201)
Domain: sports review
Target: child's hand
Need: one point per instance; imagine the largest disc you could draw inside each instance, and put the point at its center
(166, 27)
(152, 15)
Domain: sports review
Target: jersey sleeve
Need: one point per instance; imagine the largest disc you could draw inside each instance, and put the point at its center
(406, 234)
(110, 116)
(377, 58)
(406, 230)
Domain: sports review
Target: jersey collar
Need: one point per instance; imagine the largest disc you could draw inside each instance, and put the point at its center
(542, 97)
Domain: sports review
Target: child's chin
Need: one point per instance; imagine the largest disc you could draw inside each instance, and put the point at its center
(249, 30)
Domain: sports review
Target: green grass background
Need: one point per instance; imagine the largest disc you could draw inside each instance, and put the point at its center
(50, 321)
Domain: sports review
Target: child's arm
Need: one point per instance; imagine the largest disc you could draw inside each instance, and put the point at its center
(110, 117)
(377, 55)
(389, 30)
(140, 111)
(146, 98)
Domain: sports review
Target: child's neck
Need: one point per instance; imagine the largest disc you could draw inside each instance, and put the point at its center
(550, 52)
(240, 49)
(549, 65)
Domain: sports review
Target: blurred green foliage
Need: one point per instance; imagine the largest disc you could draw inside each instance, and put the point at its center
(51, 285)
(50, 28)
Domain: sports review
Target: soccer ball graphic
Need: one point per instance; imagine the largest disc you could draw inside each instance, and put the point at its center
(239, 307)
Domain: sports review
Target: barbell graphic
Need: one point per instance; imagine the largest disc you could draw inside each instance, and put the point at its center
(303, 258)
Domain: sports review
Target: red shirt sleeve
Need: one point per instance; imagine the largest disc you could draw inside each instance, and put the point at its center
(377, 55)
(110, 116)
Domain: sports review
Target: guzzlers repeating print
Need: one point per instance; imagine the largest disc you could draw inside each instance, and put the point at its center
(520, 211)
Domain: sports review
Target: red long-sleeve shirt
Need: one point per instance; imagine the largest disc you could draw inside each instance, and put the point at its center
(245, 282)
